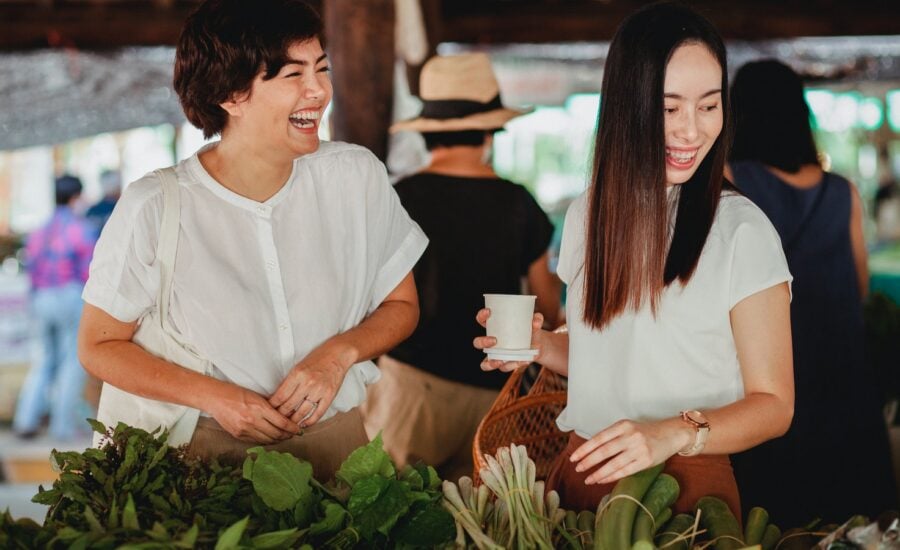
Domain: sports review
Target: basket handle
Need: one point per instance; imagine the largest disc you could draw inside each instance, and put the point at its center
(510, 390)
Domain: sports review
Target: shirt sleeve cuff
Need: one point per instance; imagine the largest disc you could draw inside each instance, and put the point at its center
(112, 303)
(396, 268)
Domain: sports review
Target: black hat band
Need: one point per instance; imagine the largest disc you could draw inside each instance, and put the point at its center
(457, 108)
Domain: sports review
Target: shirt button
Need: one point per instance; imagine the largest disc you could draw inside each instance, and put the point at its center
(261, 209)
(282, 326)
(270, 264)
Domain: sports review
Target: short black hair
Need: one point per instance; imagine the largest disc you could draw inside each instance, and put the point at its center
(771, 117)
(472, 138)
(225, 44)
(67, 187)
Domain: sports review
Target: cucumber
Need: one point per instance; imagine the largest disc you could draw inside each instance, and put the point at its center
(721, 525)
(672, 530)
(615, 525)
(662, 519)
(661, 494)
(757, 519)
(770, 537)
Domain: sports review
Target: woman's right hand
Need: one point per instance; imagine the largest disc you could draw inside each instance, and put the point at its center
(249, 416)
(484, 342)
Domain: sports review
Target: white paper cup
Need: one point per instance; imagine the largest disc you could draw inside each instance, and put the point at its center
(510, 320)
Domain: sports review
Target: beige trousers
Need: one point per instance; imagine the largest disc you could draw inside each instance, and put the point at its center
(325, 444)
(424, 417)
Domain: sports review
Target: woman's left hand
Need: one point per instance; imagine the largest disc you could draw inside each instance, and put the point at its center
(627, 447)
(308, 390)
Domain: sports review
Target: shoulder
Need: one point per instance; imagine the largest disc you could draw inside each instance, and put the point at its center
(737, 214)
(140, 206)
(735, 209)
(577, 211)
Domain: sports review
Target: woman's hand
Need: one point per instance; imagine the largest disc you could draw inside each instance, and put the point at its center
(483, 342)
(248, 416)
(628, 447)
(308, 390)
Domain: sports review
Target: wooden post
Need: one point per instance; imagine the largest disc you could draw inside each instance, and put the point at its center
(360, 45)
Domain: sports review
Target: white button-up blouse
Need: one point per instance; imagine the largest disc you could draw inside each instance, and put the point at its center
(257, 286)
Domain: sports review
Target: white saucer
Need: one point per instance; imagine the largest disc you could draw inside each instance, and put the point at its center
(500, 354)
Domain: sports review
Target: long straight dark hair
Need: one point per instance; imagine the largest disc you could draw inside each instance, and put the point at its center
(628, 256)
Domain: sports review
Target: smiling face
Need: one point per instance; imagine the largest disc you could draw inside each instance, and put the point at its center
(282, 114)
(693, 110)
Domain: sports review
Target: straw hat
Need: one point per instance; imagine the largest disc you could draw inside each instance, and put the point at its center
(459, 93)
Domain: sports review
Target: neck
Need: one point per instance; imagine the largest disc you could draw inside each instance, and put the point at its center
(460, 160)
(256, 175)
(808, 175)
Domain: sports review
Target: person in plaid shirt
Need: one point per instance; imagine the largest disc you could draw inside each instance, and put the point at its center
(57, 259)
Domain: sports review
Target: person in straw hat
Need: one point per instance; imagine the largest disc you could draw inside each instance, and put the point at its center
(485, 235)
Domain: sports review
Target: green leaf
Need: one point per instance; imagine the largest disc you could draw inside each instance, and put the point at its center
(305, 509)
(189, 538)
(97, 426)
(365, 462)
(248, 462)
(112, 521)
(276, 539)
(129, 516)
(47, 497)
(158, 533)
(335, 517)
(280, 479)
(231, 537)
(429, 526)
(412, 477)
(377, 503)
(92, 521)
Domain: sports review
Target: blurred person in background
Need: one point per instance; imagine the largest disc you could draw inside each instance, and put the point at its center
(834, 461)
(486, 234)
(57, 257)
(111, 186)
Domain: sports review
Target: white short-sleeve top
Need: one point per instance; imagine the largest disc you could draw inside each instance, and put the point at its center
(258, 285)
(641, 367)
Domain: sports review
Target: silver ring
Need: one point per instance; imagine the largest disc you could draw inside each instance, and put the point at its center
(311, 411)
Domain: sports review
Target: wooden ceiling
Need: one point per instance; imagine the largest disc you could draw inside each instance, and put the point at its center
(104, 24)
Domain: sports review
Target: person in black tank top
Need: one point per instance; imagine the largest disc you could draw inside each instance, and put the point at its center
(485, 235)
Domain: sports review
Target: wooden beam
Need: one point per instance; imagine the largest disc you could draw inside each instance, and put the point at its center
(98, 25)
(94, 25)
(360, 36)
(595, 21)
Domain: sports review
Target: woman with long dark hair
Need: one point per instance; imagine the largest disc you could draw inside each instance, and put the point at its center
(775, 163)
(678, 346)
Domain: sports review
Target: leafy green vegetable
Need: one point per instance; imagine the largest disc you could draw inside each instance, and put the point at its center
(278, 478)
(365, 462)
(136, 492)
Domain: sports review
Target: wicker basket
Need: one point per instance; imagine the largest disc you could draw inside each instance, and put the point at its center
(527, 419)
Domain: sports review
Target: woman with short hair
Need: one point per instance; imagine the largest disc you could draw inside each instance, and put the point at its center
(293, 263)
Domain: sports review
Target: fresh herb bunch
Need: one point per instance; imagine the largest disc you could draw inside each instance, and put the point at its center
(137, 492)
(137, 488)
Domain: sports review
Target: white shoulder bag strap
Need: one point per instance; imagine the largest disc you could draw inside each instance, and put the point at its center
(160, 338)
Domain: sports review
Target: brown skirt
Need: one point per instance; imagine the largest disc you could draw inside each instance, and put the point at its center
(697, 476)
(325, 444)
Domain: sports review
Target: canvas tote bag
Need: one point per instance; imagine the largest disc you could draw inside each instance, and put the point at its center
(156, 335)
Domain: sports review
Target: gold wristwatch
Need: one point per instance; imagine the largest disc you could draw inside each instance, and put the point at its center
(701, 425)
